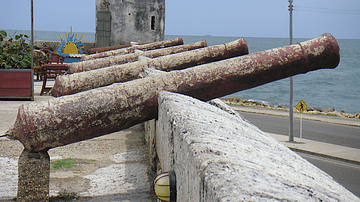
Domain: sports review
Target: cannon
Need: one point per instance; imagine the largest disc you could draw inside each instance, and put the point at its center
(131, 57)
(144, 47)
(74, 83)
(68, 119)
(110, 48)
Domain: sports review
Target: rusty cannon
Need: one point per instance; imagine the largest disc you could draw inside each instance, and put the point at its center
(85, 115)
(110, 48)
(144, 47)
(131, 57)
(74, 83)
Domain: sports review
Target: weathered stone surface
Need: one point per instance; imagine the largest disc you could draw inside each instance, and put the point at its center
(73, 118)
(34, 176)
(74, 83)
(149, 46)
(329, 110)
(309, 109)
(131, 21)
(149, 127)
(131, 57)
(218, 156)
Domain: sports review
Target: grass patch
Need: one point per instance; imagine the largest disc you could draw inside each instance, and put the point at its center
(67, 195)
(64, 163)
(68, 163)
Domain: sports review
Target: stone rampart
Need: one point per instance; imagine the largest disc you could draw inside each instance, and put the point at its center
(219, 156)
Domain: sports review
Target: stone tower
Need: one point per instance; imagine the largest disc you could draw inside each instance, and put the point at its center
(120, 22)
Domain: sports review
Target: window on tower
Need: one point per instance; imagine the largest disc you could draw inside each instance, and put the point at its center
(152, 22)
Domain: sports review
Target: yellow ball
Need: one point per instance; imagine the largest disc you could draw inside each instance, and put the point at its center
(162, 186)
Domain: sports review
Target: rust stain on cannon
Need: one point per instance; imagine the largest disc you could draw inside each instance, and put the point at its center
(73, 118)
(74, 83)
(131, 57)
(144, 47)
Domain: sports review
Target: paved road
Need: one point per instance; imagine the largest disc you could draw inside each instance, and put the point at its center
(348, 136)
(346, 174)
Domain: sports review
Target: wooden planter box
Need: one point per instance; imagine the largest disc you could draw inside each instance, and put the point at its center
(17, 84)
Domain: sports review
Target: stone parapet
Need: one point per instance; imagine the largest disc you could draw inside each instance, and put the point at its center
(219, 156)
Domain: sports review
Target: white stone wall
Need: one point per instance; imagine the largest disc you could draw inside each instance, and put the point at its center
(131, 20)
(219, 156)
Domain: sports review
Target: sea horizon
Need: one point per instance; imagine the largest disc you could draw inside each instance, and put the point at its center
(191, 35)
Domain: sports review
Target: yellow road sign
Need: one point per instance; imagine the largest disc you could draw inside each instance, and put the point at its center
(301, 106)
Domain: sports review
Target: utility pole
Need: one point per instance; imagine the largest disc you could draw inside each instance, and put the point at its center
(291, 93)
(32, 35)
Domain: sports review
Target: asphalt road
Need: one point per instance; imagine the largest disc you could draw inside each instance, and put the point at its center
(344, 135)
(346, 174)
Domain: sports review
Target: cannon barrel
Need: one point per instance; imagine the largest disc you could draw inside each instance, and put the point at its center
(131, 57)
(74, 83)
(68, 119)
(110, 48)
(144, 47)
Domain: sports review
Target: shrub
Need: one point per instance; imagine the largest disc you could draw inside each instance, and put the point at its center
(14, 52)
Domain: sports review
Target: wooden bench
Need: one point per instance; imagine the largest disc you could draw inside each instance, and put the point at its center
(52, 69)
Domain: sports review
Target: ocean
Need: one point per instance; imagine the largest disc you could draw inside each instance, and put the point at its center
(337, 88)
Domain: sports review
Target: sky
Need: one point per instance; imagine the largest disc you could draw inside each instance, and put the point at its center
(240, 18)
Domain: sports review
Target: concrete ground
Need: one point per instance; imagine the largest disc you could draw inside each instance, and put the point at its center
(115, 167)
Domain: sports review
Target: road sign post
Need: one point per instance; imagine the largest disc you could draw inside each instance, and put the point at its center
(301, 106)
(301, 127)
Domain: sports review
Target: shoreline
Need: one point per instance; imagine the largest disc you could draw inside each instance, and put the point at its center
(310, 110)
